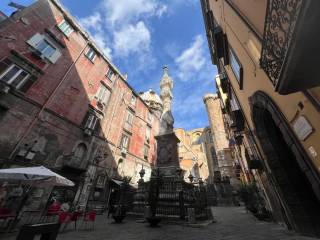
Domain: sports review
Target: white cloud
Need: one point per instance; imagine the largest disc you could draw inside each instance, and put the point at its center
(101, 40)
(125, 11)
(94, 25)
(93, 21)
(191, 60)
(119, 27)
(132, 39)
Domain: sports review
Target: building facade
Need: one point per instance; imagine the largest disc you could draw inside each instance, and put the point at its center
(194, 153)
(64, 105)
(267, 69)
(224, 165)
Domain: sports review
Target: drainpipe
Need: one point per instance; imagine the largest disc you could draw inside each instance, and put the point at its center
(46, 104)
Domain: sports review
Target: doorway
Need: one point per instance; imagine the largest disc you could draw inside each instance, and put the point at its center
(293, 176)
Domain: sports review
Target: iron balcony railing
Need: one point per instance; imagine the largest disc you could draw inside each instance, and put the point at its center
(279, 30)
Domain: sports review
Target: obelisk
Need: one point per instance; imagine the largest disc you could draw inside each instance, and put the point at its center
(167, 142)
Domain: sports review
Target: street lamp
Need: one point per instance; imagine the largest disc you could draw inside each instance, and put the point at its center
(190, 177)
(141, 173)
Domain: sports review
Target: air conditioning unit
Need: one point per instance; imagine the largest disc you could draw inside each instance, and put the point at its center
(4, 88)
(100, 105)
(123, 151)
(88, 131)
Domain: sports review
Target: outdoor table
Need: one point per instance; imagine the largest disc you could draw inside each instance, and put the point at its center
(30, 215)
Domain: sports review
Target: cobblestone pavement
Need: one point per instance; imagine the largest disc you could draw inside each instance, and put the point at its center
(232, 223)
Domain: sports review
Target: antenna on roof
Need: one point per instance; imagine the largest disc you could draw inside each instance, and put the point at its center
(16, 5)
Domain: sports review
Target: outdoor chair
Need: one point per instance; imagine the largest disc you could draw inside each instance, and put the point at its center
(90, 217)
(64, 218)
(6, 217)
(74, 218)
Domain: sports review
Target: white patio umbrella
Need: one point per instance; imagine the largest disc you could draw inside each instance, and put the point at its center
(32, 176)
(41, 175)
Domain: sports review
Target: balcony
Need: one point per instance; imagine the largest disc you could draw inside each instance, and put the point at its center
(224, 84)
(74, 164)
(237, 121)
(290, 46)
(255, 164)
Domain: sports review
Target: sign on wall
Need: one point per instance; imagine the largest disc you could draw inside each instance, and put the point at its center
(302, 128)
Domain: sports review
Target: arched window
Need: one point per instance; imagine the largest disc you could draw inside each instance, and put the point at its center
(210, 140)
(80, 152)
(196, 139)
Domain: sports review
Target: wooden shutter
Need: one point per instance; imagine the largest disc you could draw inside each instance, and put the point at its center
(55, 56)
(35, 40)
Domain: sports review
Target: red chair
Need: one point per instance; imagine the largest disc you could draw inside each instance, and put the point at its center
(53, 211)
(90, 217)
(74, 218)
(6, 215)
(64, 217)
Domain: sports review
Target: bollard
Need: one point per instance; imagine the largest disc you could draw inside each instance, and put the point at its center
(191, 215)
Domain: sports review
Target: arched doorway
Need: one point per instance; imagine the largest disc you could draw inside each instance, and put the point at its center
(293, 176)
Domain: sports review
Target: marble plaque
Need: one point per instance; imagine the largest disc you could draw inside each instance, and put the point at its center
(302, 128)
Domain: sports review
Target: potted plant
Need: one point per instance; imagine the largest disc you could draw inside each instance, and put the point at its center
(154, 186)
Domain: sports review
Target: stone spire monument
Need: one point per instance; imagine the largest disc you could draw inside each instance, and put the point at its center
(167, 141)
(166, 85)
(173, 195)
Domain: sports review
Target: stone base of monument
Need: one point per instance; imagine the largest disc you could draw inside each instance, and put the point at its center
(175, 195)
(175, 198)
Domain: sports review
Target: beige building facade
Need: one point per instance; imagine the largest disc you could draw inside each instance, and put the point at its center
(268, 71)
(224, 164)
(194, 153)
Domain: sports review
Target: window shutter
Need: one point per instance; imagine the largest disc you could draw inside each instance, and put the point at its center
(89, 121)
(28, 84)
(35, 40)
(55, 56)
(107, 96)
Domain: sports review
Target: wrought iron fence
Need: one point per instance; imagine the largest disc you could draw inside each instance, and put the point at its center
(281, 19)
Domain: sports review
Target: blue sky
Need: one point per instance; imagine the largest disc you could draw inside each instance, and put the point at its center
(140, 36)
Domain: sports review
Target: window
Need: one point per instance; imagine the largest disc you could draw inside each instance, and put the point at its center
(148, 134)
(236, 67)
(124, 144)
(129, 117)
(210, 137)
(14, 76)
(80, 152)
(91, 54)
(146, 152)
(149, 116)
(110, 74)
(44, 48)
(65, 27)
(133, 100)
(91, 121)
(103, 94)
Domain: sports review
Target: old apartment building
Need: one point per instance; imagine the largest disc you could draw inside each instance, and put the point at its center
(64, 105)
(266, 52)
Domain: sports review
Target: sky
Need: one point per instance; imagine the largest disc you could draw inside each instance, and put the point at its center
(141, 36)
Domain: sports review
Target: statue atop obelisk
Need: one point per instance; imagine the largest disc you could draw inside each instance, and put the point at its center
(166, 85)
